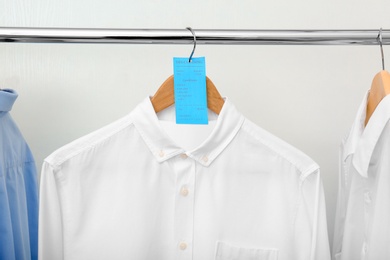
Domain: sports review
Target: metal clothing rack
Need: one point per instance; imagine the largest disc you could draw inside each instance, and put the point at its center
(184, 36)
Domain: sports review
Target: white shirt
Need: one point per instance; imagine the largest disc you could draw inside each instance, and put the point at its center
(362, 228)
(131, 191)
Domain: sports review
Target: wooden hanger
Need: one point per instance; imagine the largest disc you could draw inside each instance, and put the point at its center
(164, 96)
(380, 88)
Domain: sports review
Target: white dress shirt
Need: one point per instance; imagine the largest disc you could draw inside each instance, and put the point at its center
(362, 228)
(144, 188)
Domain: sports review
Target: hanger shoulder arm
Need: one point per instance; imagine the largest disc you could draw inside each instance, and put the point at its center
(214, 99)
(380, 88)
(164, 96)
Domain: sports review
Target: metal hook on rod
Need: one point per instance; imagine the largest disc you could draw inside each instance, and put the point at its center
(380, 43)
(193, 50)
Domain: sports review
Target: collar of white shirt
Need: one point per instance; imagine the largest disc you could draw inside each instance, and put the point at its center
(163, 147)
(362, 140)
(350, 142)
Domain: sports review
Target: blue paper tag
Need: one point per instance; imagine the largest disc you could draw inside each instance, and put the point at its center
(190, 91)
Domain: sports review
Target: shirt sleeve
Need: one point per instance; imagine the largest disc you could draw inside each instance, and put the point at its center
(311, 225)
(50, 241)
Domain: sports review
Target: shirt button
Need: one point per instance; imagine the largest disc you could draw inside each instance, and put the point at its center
(205, 159)
(184, 191)
(367, 197)
(161, 153)
(183, 156)
(364, 249)
(183, 246)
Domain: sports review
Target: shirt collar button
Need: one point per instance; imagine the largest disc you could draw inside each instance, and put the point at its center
(183, 246)
(161, 153)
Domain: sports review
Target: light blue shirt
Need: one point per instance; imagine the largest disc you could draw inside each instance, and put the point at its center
(18, 189)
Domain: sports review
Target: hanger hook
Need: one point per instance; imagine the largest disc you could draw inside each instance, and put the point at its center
(193, 50)
(380, 43)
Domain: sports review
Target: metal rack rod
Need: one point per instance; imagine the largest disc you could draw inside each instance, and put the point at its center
(184, 36)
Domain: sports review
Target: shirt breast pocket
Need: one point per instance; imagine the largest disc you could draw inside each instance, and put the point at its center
(226, 251)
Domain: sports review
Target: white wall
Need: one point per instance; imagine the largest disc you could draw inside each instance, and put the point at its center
(307, 95)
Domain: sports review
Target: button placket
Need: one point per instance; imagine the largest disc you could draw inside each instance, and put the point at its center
(367, 197)
(184, 205)
(367, 202)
